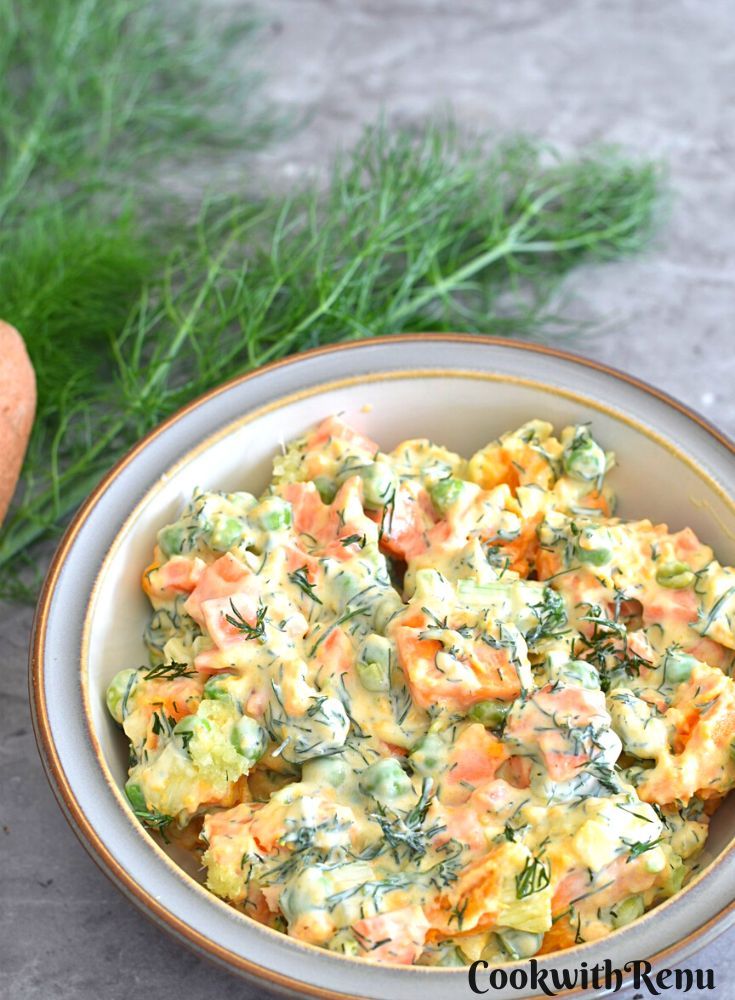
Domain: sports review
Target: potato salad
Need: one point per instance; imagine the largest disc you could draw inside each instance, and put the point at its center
(425, 709)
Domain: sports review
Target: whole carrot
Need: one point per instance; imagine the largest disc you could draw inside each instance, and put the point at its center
(17, 409)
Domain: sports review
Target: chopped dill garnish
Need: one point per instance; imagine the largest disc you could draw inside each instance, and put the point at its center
(344, 617)
(237, 621)
(351, 539)
(534, 877)
(638, 847)
(405, 835)
(300, 578)
(169, 671)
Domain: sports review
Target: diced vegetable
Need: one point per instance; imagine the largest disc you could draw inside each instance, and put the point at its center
(583, 458)
(385, 780)
(674, 575)
(490, 713)
(249, 739)
(119, 692)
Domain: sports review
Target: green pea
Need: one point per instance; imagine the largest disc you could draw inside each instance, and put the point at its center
(674, 575)
(581, 672)
(249, 738)
(584, 459)
(373, 676)
(445, 493)
(385, 780)
(379, 483)
(520, 944)
(135, 796)
(627, 911)
(306, 892)
(214, 689)
(190, 723)
(428, 755)
(225, 532)
(678, 666)
(171, 539)
(450, 957)
(596, 557)
(326, 488)
(491, 713)
(373, 665)
(676, 879)
(118, 693)
(275, 514)
(325, 771)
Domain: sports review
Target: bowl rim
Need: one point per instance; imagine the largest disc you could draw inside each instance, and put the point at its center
(60, 784)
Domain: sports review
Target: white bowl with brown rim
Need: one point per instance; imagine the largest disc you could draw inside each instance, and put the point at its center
(459, 390)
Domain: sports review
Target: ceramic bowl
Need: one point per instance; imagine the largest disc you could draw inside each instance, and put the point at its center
(459, 390)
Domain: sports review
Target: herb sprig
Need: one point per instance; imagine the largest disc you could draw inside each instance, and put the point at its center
(256, 631)
(169, 671)
(636, 848)
(534, 877)
(301, 580)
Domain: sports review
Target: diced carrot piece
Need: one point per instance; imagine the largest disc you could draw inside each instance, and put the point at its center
(489, 673)
(685, 542)
(570, 708)
(178, 575)
(562, 935)
(703, 712)
(333, 427)
(406, 522)
(548, 563)
(474, 759)
(298, 559)
(477, 891)
(227, 576)
(397, 936)
(672, 606)
(217, 610)
(596, 501)
(711, 652)
(335, 655)
(326, 525)
(517, 771)
(523, 551)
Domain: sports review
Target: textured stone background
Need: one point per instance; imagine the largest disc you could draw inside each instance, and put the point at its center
(657, 76)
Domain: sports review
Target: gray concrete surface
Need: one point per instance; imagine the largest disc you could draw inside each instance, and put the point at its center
(658, 76)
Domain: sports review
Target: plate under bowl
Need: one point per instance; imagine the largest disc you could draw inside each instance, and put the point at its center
(459, 390)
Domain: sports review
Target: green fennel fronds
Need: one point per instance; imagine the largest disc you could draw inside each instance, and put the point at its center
(130, 307)
(416, 231)
(96, 92)
(96, 97)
